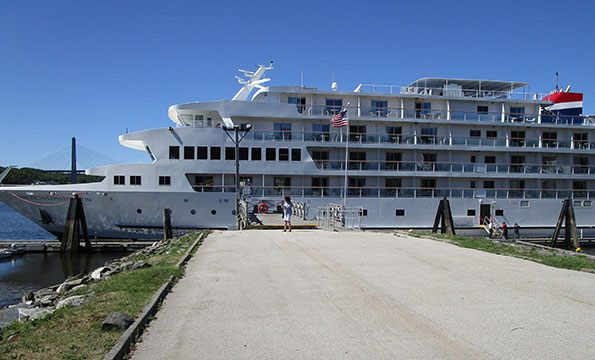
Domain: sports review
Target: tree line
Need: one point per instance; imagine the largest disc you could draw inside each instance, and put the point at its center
(26, 176)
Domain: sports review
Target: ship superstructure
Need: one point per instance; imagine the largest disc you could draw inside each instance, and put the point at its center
(491, 147)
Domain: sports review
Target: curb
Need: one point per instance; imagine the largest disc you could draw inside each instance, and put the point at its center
(129, 336)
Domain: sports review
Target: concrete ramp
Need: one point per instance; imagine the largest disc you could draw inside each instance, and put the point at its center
(311, 294)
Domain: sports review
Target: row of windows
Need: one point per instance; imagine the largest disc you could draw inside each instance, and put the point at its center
(136, 180)
(271, 154)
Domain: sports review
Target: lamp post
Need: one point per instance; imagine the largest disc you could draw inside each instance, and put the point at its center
(236, 139)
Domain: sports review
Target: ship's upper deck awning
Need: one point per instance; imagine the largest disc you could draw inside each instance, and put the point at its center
(468, 84)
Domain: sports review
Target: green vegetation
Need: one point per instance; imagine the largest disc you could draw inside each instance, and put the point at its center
(75, 332)
(26, 176)
(545, 256)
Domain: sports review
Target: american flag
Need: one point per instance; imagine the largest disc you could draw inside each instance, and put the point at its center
(340, 119)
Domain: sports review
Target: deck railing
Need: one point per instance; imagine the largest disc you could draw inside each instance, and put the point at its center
(370, 138)
(407, 192)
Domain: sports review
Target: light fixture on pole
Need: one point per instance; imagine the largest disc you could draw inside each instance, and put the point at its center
(236, 139)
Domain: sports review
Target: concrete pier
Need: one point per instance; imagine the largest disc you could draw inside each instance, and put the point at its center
(311, 294)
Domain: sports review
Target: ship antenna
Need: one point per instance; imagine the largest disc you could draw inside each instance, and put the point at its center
(556, 81)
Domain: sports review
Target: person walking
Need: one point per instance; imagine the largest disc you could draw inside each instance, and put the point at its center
(505, 230)
(517, 232)
(287, 206)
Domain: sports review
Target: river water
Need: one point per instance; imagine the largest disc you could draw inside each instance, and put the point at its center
(33, 271)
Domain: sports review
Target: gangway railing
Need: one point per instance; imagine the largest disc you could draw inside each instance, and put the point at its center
(333, 215)
(492, 226)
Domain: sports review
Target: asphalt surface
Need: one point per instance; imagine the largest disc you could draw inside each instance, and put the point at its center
(312, 294)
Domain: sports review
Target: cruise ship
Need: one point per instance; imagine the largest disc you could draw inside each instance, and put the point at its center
(493, 148)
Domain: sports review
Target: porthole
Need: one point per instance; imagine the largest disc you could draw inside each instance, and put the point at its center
(193, 211)
(139, 211)
(213, 212)
(233, 212)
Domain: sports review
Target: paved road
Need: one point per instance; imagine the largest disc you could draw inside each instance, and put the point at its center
(357, 295)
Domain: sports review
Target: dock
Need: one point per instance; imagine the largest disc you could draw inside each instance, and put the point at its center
(28, 246)
(313, 294)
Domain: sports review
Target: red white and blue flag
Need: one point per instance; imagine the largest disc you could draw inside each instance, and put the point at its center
(340, 119)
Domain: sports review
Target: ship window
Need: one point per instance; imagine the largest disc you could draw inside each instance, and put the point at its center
(333, 106)
(320, 132)
(119, 180)
(283, 154)
(245, 180)
(296, 154)
(282, 181)
(215, 153)
(188, 152)
(357, 132)
(587, 203)
(581, 140)
(364, 212)
(243, 153)
(400, 212)
(135, 180)
(472, 184)
(164, 180)
(282, 131)
(271, 154)
(379, 107)
(422, 109)
(473, 158)
(256, 153)
(201, 152)
(300, 103)
(488, 184)
(490, 159)
(482, 109)
(475, 133)
(491, 133)
(394, 133)
(517, 113)
(525, 203)
(577, 203)
(470, 212)
(428, 135)
(499, 212)
(517, 138)
(174, 152)
(550, 139)
(230, 153)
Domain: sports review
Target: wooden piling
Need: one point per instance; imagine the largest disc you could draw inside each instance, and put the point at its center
(571, 240)
(75, 222)
(444, 218)
(167, 230)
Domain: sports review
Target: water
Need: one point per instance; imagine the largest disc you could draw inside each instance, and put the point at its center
(33, 271)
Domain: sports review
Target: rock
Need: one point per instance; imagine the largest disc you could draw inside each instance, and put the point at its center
(27, 296)
(78, 287)
(99, 272)
(140, 265)
(91, 294)
(46, 294)
(73, 301)
(69, 284)
(10, 315)
(34, 313)
(116, 320)
(47, 300)
(127, 265)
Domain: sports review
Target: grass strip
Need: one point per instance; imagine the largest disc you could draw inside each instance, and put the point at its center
(550, 257)
(75, 333)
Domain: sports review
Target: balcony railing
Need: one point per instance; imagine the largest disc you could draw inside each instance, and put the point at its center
(406, 192)
(335, 136)
(397, 113)
(456, 167)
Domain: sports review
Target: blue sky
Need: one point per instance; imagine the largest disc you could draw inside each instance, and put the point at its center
(92, 69)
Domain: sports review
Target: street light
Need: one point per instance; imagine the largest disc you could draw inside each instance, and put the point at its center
(236, 139)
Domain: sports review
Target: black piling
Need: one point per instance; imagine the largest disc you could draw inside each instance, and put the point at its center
(75, 222)
(444, 218)
(167, 231)
(571, 240)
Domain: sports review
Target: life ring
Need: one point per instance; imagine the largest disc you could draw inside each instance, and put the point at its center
(263, 208)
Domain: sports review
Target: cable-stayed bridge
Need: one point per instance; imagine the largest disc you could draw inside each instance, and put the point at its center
(76, 157)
